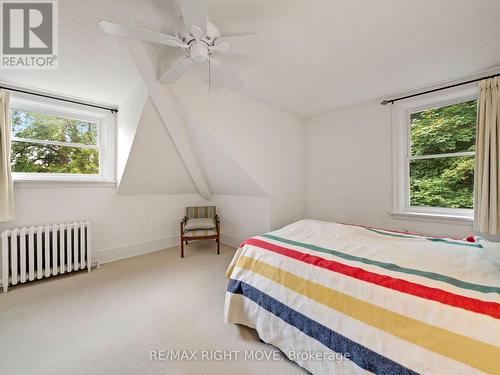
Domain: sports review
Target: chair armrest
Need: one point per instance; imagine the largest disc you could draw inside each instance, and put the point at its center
(217, 223)
(183, 222)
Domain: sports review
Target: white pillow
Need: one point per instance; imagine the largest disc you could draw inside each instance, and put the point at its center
(196, 224)
(491, 249)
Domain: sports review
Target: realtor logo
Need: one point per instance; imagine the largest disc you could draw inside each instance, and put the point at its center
(29, 34)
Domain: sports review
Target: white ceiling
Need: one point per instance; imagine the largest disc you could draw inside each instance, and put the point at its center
(333, 53)
(92, 65)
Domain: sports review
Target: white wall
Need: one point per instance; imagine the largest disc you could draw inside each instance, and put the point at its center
(268, 146)
(242, 217)
(267, 143)
(122, 225)
(348, 171)
(340, 162)
(127, 225)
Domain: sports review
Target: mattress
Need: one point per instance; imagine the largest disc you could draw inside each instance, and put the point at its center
(343, 299)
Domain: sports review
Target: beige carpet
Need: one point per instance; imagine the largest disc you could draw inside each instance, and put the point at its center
(108, 321)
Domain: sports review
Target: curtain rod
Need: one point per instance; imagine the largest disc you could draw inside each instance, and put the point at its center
(112, 109)
(387, 101)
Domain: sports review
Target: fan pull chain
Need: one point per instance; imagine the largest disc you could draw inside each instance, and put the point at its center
(209, 78)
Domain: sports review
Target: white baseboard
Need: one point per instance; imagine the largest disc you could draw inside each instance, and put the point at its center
(110, 255)
(231, 241)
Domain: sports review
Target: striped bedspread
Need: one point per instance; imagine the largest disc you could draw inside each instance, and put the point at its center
(341, 299)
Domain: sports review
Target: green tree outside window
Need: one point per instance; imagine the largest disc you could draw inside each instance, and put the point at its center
(446, 181)
(44, 143)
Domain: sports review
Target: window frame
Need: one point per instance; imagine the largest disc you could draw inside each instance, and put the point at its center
(401, 155)
(106, 130)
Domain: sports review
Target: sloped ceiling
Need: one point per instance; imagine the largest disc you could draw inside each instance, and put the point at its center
(336, 53)
(224, 175)
(92, 65)
(332, 53)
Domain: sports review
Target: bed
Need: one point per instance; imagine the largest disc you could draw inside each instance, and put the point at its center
(344, 299)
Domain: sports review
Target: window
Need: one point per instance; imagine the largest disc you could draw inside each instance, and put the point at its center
(51, 141)
(43, 143)
(434, 156)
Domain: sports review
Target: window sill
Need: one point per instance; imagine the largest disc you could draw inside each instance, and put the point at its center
(62, 183)
(434, 217)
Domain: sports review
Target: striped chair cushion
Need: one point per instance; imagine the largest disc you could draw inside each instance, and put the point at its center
(200, 233)
(200, 212)
(194, 224)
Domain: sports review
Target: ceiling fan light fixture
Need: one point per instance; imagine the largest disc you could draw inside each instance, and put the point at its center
(199, 52)
(200, 41)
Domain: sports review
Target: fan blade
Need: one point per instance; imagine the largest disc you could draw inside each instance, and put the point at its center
(176, 70)
(248, 44)
(196, 32)
(220, 47)
(194, 13)
(141, 34)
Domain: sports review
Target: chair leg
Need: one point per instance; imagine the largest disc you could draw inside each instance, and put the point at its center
(182, 248)
(218, 246)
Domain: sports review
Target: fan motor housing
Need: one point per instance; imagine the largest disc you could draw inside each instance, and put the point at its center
(212, 34)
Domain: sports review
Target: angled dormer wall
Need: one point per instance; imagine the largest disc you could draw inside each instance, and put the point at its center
(127, 121)
(250, 156)
(154, 165)
(266, 143)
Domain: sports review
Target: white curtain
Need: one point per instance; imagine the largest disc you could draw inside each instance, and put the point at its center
(6, 186)
(487, 175)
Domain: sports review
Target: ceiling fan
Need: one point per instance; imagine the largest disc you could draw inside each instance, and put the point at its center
(200, 40)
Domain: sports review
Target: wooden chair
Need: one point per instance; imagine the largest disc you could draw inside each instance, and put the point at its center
(200, 223)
